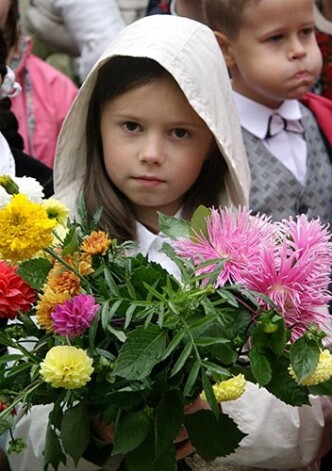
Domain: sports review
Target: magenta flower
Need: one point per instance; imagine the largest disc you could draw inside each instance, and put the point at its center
(74, 316)
(238, 237)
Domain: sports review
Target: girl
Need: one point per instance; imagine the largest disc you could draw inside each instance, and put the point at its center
(154, 129)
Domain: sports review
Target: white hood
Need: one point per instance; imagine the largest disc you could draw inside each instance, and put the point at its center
(189, 51)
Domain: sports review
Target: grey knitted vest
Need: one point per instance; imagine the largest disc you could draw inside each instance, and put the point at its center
(274, 189)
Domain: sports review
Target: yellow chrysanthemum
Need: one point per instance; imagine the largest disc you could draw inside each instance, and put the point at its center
(85, 265)
(322, 373)
(66, 367)
(97, 243)
(25, 229)
(56, 210)
(229, 389)
(45, 307)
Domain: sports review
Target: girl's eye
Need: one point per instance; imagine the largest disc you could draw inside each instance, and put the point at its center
(180, 133)
(131, 126)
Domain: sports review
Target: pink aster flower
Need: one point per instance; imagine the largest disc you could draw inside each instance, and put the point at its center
(295, 276)
(237, 237)
(74, 316)
(312, 239)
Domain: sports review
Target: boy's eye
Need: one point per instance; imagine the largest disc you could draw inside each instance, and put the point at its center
(275, 38)
(180, 133)
(131, 126)
(307, 31)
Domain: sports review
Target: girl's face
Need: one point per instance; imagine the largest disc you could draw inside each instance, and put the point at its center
(154, 147)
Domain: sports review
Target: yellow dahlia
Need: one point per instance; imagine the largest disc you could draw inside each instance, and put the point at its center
(66, 367)
(25, 229)
(97, 243)
(56, 210)
(229, 389)
(46, 305)
(322, 373)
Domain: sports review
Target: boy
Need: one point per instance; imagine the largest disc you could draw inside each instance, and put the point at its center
(273, 58)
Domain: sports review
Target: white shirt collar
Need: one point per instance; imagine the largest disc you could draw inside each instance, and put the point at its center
(254, 117)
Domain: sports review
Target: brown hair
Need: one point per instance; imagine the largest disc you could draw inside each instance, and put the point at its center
(226, 16)
(11, 26)
(117, 76)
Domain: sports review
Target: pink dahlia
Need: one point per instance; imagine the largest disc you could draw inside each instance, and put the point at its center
(74, 316)
(15, 294)
(236, 237)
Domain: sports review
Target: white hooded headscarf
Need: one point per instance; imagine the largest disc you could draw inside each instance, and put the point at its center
(189, 51)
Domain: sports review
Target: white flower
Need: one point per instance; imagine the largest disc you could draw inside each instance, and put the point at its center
(31, 188)
(4, 197)
(27, 186)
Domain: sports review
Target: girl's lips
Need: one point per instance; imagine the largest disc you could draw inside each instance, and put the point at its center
(148, 181)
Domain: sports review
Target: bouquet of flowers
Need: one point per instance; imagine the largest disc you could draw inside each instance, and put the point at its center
(96, 330)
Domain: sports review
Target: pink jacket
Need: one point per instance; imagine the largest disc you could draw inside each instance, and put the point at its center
(47, 95)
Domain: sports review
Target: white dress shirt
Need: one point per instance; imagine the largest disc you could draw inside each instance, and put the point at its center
(288, 146)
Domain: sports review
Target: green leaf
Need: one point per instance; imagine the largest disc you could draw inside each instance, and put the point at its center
(35, 272)
(107, 312)
(174, 343)
(173, 227)
(283, 386)
(322, 389)
(182, 358)
(192, 377)
(75, 431)
(53, 453)
(6, 423)
(212, 436)
(260, 367)
(131, 432)
(119, 334)
(142, 350)
(198, 221)
(71, 242)
(168, 420)
(211, 398)
(141, 459)
(208, 341)
(214, 368)
(304, 356)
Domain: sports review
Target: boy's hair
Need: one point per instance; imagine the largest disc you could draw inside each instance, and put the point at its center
(226, 15)
(116, 77)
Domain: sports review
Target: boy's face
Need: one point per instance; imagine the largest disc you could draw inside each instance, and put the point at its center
(275, 55)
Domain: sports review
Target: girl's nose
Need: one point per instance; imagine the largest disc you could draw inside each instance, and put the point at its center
(152, 150)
